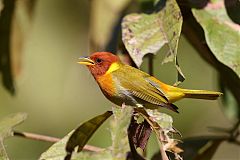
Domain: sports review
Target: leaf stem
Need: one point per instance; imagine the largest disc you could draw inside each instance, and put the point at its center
(234, 132)
(45, 138)
(150, 64)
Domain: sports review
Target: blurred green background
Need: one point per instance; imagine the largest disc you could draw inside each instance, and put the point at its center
(58, 94)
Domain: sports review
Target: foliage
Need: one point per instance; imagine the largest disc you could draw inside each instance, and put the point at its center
(147, 33)
(212, 27)
(6, 129)
(118, 150)
(216, 24)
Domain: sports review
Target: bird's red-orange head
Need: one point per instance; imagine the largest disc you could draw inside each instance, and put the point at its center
(99, 63)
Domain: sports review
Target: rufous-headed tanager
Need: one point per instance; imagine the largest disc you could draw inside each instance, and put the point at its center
(121, 83)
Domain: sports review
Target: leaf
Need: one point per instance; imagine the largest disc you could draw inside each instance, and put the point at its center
(157, 129)
(6, 129)
(103, 155)
(1, 6)
(198, 148)
(231, 107)
(222, 35)
(57, 151)
(164, 121)
(209, 152)
(140, 133)
(78, 137)
(5, 32)
(147, 33)
(3, 153)
(195, 147)
(119, 126)
(104, 16)
(84, 132)
(21, 28)
(7, 124)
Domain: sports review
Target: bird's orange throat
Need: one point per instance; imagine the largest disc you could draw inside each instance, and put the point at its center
(104, 78)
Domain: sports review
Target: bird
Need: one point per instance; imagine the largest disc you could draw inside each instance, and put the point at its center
(124, 84)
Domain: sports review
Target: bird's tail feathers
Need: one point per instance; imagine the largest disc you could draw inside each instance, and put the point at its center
(201, 94)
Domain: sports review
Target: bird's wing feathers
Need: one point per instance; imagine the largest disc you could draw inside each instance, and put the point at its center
(140, 85)
(155, 85)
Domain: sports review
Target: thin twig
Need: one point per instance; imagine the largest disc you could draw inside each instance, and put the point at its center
(45, 138)
(37, 137)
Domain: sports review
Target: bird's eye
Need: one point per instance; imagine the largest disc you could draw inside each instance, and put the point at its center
(98, 60)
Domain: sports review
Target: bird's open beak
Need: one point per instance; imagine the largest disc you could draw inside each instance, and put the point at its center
(86, 61)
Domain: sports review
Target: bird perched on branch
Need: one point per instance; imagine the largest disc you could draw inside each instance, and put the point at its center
(121, 83)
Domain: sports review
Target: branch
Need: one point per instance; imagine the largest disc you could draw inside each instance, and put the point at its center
(45, 138)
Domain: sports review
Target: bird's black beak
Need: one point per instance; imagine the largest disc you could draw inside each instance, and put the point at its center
(86, 61)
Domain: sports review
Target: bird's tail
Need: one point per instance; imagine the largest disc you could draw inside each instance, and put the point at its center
(201, 94)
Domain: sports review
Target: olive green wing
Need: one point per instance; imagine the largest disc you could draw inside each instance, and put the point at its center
(140, 85)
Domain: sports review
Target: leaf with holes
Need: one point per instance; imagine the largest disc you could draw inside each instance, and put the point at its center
(147, 33)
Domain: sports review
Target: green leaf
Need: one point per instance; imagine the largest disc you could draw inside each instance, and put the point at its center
(78, 137)
(84, 132)
(221, 33)
(57, 151)
(164, 121)
(119, 126)
(6, 129)
(147, 33)
(9, 122)
(103, 155)
(3, 153)
(231, 107)
(162, 126)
